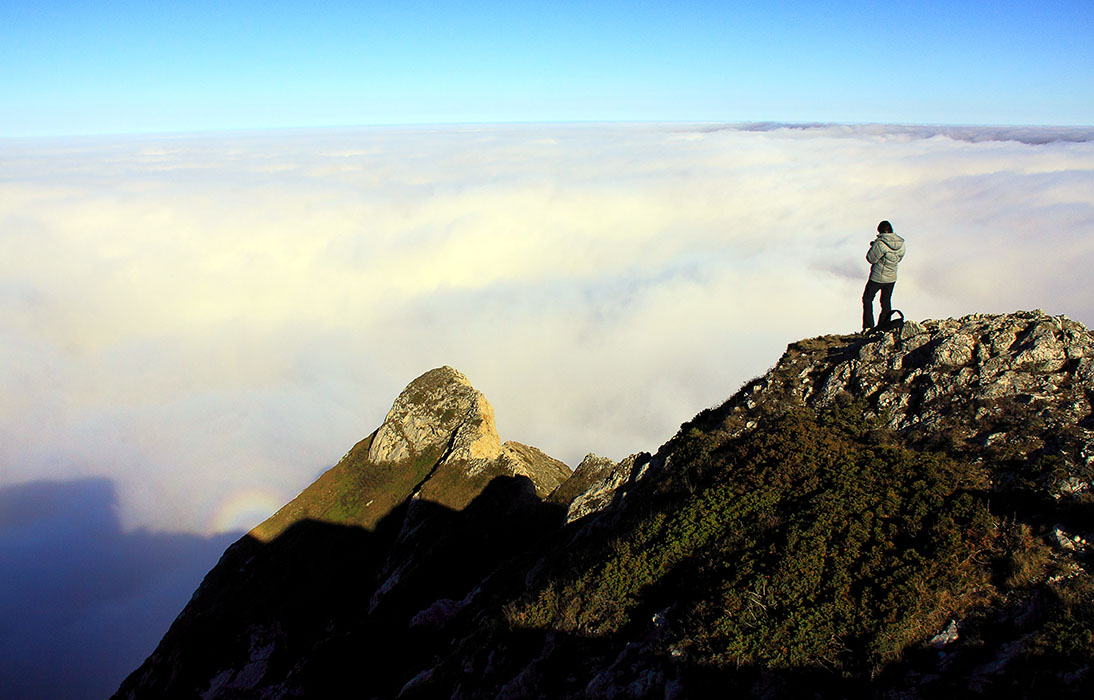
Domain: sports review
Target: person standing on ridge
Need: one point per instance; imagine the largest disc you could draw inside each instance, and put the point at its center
(884, 254)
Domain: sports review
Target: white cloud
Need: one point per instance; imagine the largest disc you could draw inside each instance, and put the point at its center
(211, 320)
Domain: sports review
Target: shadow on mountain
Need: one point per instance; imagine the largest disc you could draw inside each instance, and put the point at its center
(425, 606)
(549, 664)
(81, 601)
(323, 605)
(771, 574)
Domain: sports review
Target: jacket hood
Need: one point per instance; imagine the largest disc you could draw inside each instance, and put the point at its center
(892, 240)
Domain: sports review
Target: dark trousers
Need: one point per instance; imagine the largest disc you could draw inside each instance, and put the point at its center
(868, 294)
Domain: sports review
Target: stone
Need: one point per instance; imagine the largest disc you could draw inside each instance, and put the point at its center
(442, 416)
(605, 477)
(1062, 539)
(436, 615)
(546, 472)
(954, 351)
(1041, 350)
(438, 410)
(947, 636)
(948, 375)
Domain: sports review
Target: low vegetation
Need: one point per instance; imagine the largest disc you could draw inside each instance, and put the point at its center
(813, 542)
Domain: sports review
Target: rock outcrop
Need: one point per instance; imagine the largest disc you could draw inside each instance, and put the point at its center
(596, 483)
(438, 411)
(1010, 396)
(438, 443)
(1003, 388)
(546, 473)
(1007, 387)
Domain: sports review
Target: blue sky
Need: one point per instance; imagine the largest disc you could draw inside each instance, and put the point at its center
(120, 67)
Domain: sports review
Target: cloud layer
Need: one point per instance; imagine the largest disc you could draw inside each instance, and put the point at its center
(209, 321)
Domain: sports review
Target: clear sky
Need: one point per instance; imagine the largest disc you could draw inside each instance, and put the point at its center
(121, 67)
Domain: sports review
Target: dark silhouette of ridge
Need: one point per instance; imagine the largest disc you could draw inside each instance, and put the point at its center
(307, 596)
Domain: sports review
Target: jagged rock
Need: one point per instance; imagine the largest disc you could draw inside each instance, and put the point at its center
(1062, 539)
(596, 483)
(263, 642)
(438, 410)
(440, 415)
(546, 473)
(946, 636)
(438, 443)
(443, 428)
(945, 376)
(1073, 486)
(438, 614)
(929, 378)
(953, 351)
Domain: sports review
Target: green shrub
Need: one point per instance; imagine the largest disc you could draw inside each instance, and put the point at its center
(812, 542)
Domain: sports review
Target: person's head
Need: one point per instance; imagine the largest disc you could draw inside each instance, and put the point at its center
(884, 227)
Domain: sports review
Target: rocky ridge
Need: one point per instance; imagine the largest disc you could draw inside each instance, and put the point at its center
(1009, 395)
(1004, 388)
(471, 568)
(441, 412)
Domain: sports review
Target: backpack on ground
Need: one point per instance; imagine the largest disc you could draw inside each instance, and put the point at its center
(888, 322)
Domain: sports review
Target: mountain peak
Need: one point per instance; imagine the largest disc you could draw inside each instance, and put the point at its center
(439, 410)
(438, 443)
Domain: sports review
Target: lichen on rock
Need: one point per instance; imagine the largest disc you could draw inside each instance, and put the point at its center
(438, 409)
(942, 378)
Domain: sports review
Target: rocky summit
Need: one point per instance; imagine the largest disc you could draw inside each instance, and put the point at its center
(901, 514)
(438, 443)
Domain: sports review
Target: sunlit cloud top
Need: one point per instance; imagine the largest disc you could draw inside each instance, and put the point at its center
(210, 321)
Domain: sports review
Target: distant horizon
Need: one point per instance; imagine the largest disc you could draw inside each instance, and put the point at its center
(773, 123)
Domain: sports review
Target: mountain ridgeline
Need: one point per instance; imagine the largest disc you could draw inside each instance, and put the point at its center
(904, 514)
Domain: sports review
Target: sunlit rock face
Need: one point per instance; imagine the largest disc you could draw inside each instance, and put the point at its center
(438, 443)
(439, 409)
(545, 472)
(1019, 382)
(596, 482)
(441, 414)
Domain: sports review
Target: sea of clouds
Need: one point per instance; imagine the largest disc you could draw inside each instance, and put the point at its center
(211, 320)
(192, 328)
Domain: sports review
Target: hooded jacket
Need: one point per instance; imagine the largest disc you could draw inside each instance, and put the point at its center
(884, 254)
